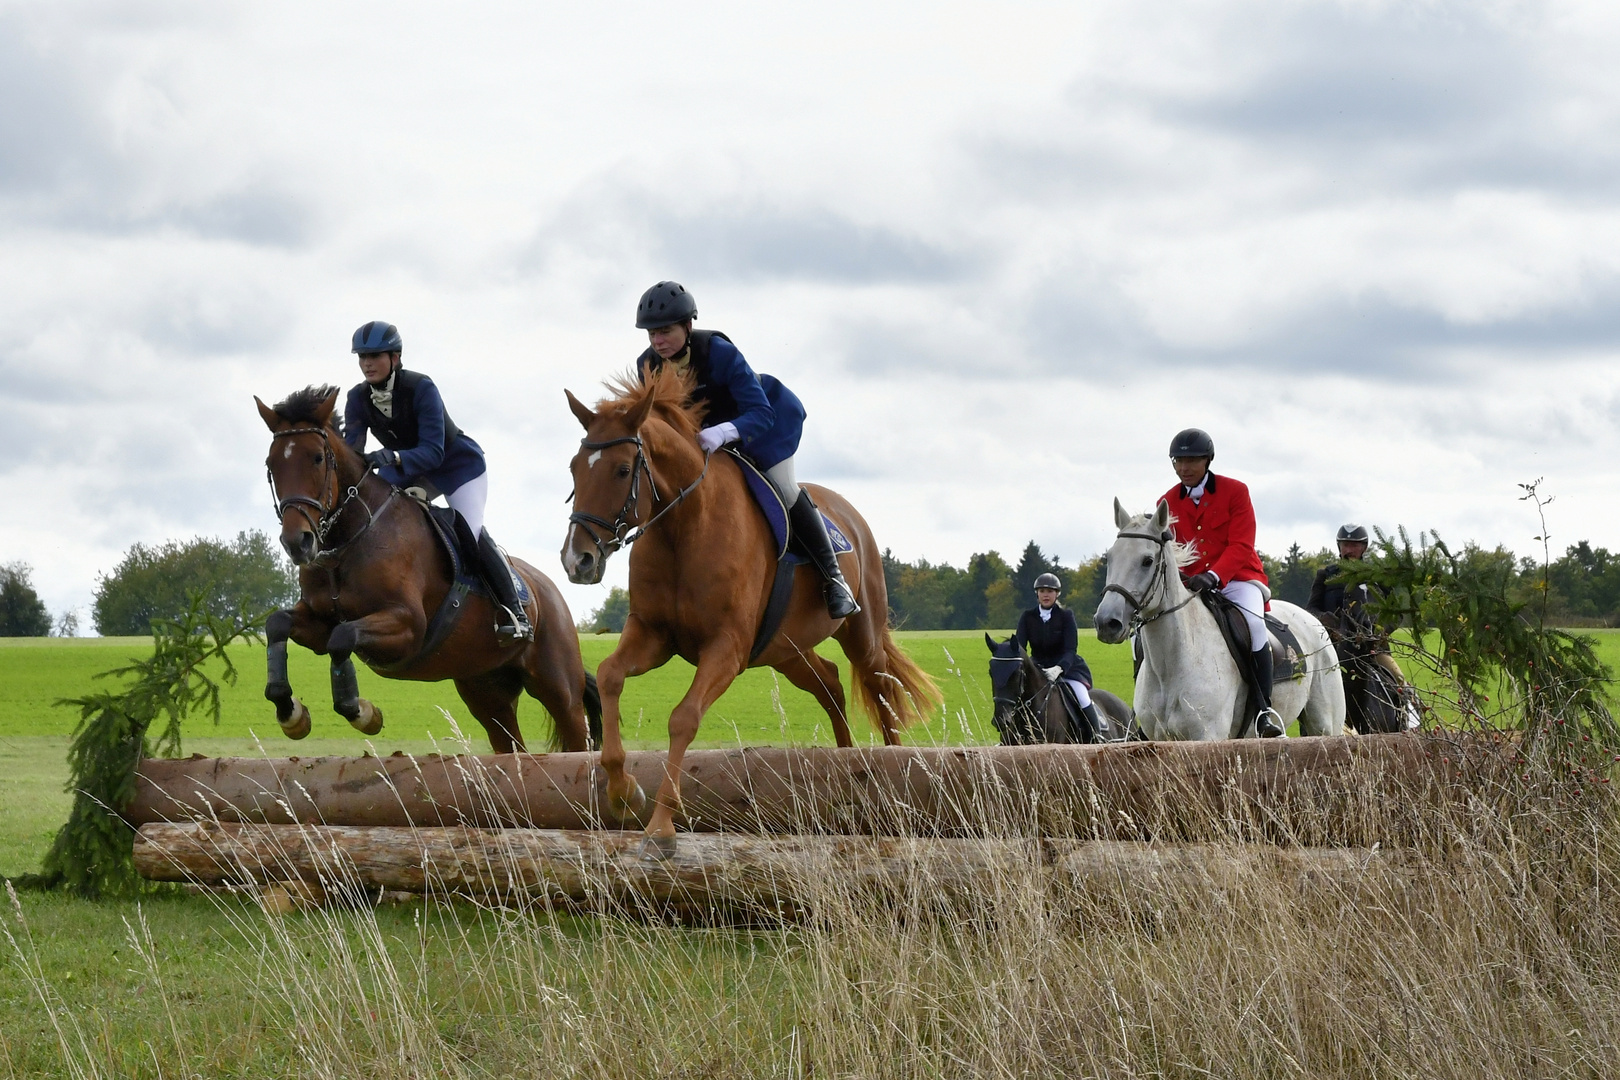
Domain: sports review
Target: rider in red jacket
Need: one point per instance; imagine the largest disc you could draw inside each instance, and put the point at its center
(1214, 515)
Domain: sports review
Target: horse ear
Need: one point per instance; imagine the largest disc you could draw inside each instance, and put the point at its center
(1121, 518)
(271, 418)
(1161, 516)
(585, 416)
(990, 641)
(638, 415)
(323, 411)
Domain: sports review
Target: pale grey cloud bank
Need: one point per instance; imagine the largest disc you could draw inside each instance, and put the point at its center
(1372, 247)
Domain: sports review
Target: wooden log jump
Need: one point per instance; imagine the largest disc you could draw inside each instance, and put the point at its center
(710, 873)
(1122, 791)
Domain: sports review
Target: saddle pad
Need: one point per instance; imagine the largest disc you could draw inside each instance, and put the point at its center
(1287, 658)
(776, 515)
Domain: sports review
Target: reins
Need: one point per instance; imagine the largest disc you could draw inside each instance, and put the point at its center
(622, 530)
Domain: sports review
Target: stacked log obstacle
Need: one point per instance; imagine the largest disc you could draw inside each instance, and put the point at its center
(763, 823)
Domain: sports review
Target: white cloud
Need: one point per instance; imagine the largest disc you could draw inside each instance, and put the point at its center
(1001, 258)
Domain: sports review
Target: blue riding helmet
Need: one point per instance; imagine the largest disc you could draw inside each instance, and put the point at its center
(377, 337)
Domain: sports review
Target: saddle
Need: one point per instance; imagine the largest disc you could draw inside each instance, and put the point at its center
(462, 546)
(788, 558)
(1287, 658)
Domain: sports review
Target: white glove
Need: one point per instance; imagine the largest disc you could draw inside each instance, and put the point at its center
(713, 438)
(1054, 672)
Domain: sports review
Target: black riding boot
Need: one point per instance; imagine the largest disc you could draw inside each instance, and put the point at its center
(1101, 730)
(511, 621)
(811, 532)
(1267, 724)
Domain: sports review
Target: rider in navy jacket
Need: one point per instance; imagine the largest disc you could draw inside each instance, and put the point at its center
(764, 417)
(423, 447)
(1049, 633)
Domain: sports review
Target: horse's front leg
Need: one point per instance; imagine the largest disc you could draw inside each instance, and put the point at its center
(639, 651)
(392, 631)
(717, 667)
(299, 624)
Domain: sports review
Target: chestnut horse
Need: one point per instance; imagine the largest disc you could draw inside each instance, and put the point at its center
(371, 575)
(700, 578)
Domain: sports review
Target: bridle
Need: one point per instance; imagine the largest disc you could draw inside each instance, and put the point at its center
(1160, 579)
(622, 530)
(326, 517)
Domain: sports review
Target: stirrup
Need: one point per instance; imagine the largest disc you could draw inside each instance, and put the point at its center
(512, 627)
(841, 602)
(1268, 724)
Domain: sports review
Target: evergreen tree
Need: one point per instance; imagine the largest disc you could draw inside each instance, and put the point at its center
(22, 613)
(610, 617)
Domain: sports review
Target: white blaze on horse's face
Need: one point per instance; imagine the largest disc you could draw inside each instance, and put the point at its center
(287, 453)
(590, 462)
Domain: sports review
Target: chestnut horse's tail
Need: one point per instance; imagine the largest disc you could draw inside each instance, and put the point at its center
(899, 688)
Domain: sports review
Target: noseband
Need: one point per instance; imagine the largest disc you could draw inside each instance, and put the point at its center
(622, 531)
(1160, 580)
(326, 516)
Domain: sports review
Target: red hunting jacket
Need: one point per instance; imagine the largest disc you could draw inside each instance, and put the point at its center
(1221, 528)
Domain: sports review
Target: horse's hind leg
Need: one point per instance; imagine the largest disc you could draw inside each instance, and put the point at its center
(492, 700)
(290, 712)
(555, 677)
(818, 677)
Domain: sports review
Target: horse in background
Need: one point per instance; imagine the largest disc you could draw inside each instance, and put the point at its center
(1030, 707)
(374, 579)
(1189, 686)
(701, 573)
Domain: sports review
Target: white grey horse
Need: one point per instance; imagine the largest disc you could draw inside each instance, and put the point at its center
(1189, 686)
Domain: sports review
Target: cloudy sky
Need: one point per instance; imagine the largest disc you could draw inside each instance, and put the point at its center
(1002, 252)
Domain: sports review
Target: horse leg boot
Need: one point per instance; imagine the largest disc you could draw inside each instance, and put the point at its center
(811, 532)
(512, 622)
(1267, 724)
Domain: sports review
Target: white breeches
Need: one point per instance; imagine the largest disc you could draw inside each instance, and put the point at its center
(468, 500)
(1247, 595)
(782, 478)
(1081, 694)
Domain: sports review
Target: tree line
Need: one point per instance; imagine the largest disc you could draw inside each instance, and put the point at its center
(1580, 588)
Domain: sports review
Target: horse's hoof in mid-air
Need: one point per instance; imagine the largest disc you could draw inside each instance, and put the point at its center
(629, 806)
(656, 849)
(370, 720)
(296, 726)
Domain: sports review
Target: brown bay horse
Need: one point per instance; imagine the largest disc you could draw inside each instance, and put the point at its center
(700, 577)
(372, 573)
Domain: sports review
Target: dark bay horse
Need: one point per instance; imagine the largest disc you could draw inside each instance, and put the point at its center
(372, 574)
(1029, 706)
(700, 577)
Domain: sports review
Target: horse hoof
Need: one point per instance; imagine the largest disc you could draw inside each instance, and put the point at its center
(370, 720)
(656, 849)
(296, 726)
(628, 807)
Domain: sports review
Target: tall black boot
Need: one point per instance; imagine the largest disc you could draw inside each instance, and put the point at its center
(1101, 729)
(511, 621)
(1267, 724)
(811, 532)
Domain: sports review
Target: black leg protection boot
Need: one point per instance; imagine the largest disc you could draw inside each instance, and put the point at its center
(1267, 724)
(811, 533)
(511, 621)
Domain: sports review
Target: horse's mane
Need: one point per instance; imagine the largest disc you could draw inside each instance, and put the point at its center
(300, 406)
(671, 391)
(1182, 553)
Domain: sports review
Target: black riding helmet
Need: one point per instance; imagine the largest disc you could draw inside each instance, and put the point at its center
(665, 304)
(1192, 443)
(1049, 581)
(1352, 534)
(377, 337)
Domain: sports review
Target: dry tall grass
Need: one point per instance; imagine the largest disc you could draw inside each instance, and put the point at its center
(1483, 945)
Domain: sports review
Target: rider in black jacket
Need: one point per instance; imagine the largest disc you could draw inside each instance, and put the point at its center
(1049, 633)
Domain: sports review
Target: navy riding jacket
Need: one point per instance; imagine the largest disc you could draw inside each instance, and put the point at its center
(769, 416)
(433, 451)
(1053, 643)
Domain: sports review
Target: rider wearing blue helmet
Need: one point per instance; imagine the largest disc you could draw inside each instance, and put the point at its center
(756, 411)
(423, 447)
